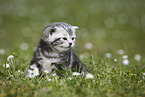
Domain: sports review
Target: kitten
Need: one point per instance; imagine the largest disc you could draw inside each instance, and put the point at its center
(54, 51)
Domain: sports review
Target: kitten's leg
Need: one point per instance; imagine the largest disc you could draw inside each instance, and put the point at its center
(76, 64)
(79, 67)
(60, 69)
(84, 68)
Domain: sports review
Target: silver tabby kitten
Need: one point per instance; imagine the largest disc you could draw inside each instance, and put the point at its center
(54, 51)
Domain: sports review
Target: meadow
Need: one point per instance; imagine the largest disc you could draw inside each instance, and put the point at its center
(110, 41)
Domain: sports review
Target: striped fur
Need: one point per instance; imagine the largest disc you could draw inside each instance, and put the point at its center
(54, 51)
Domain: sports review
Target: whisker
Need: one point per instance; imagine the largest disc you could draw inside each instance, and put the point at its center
(75, 48)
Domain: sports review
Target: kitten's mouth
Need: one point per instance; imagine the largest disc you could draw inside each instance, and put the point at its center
(65, 47)
(62, 48)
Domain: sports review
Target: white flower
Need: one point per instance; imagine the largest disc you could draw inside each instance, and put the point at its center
(108, 55)
(82, 73)
(120, 51)
(19, 71)
(36, 71)
(125, 57)
(45, 71)
(54, 74)
(6, 65)
(49, 79)
(10, 57)
(125, 61)
(70, 78)
(115, 60)
(137, 57)
(143, 73)
(30, 73)
(76, 73)
(33, 73)
(33, 66)
(89, 76)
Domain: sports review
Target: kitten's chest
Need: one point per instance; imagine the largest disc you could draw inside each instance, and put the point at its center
(49, 60)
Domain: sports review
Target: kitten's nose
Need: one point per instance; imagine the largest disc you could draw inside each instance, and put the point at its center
(70, 44)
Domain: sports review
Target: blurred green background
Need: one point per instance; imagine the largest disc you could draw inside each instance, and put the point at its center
(105, 25)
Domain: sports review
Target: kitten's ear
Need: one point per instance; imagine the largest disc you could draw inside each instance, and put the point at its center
(49, 31)
(75, 27)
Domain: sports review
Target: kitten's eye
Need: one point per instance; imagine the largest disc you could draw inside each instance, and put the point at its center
(73, 38)
(64, 38)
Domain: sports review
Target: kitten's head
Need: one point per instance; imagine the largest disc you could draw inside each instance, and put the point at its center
(60, 35)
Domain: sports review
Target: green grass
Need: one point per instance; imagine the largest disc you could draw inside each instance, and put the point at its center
(111, 79)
